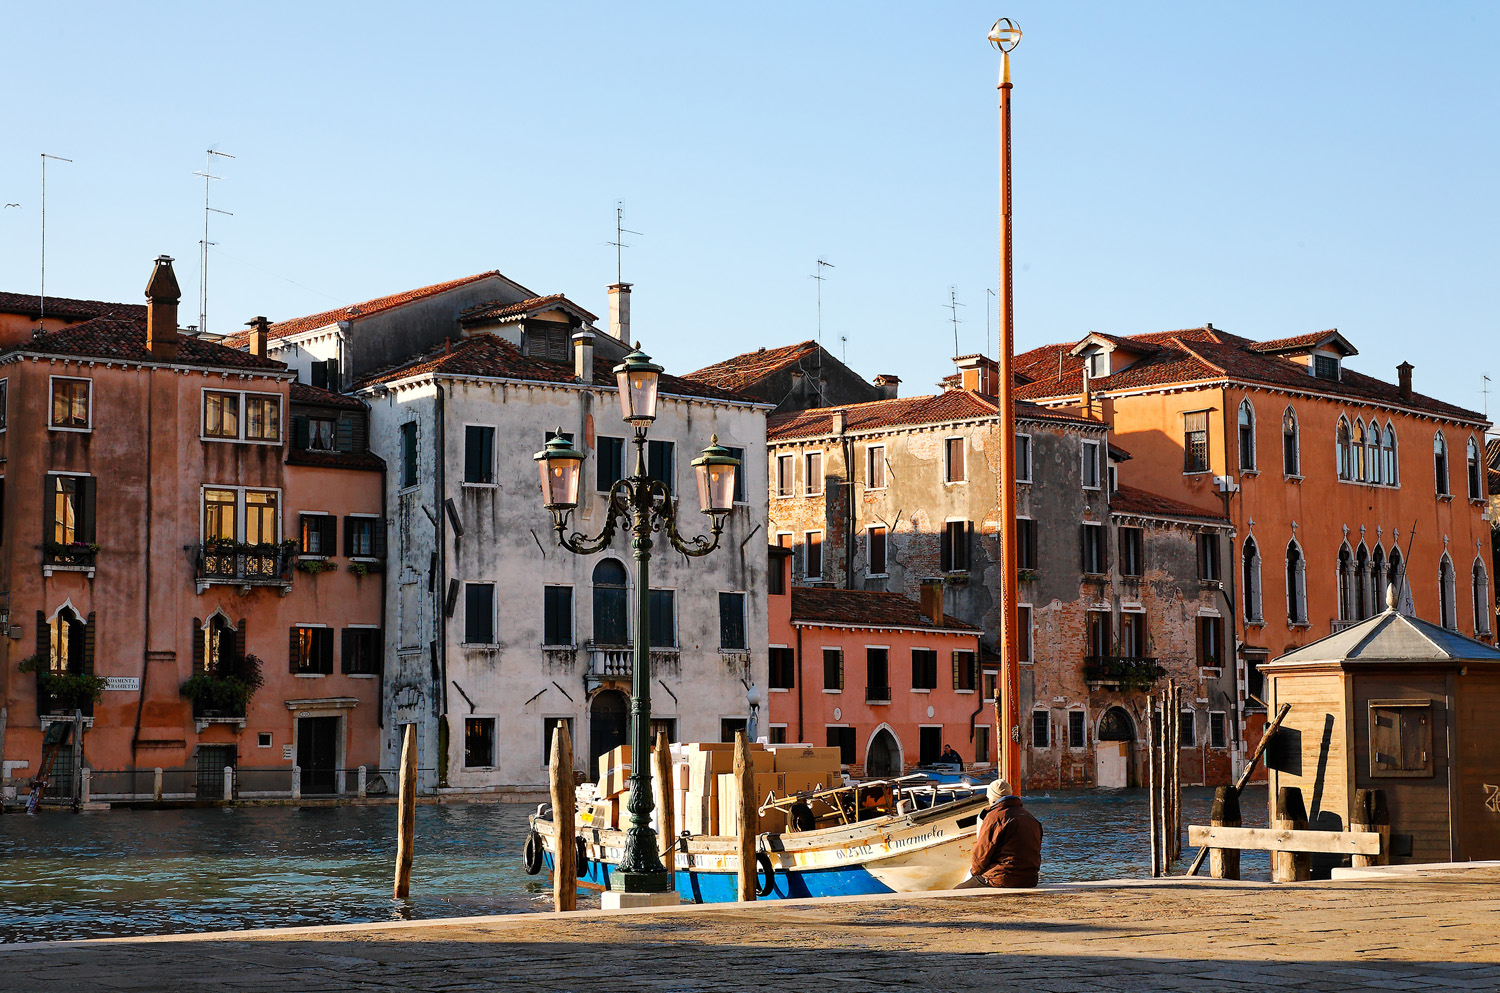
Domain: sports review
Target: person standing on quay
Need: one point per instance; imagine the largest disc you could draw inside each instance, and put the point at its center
(1008, 849)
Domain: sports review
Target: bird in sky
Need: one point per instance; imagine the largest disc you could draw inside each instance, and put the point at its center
(13, 205)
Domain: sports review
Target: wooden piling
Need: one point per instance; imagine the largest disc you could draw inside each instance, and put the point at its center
(665, 804)
(1176, 782)
(406, 813)
(1169, 768)
(1152, 782)
(1370, 815)
(1291, 815)
(748, 810)
(1224, 863)
(565, 859)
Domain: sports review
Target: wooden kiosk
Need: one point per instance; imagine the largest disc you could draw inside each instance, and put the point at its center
(1397, 704)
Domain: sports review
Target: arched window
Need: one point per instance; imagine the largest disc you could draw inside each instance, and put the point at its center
(67, 642)
(1446, 591)
(1482, 608)
(611, 604)
(1362, 598)
(1290, 461)
(218, 645)
(1388, 456)
(1440, 463)
(1377, 578)
(1346, 583)
(1357, 454)
(1296, 584)
(1345, 453)
(1476, 480)
(1247, 435)
(1373, 473)
(1251, 557)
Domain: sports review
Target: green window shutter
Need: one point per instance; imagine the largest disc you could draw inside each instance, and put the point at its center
(346, 664)
(330, 537)
(241, 640)
(88, 645)
(841, 668)
(197, 643)
(377, 547)
(348, 537)
(49, 509)
(292, 647)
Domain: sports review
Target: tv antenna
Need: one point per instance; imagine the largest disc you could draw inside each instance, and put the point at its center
(988, 292)
(620, 232)
(953, 306)
(1485, 389)
(41, 308)
(844, 341)
(203, 246)
(818, 275)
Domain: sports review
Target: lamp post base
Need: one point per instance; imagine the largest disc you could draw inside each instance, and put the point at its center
(640, 882)
(617, 900)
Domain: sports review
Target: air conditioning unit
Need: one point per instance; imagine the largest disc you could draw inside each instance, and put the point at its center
(1226, 484)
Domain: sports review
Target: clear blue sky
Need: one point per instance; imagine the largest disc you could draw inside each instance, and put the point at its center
(1272, 168)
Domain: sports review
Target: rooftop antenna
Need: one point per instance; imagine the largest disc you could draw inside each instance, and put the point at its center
(953, 305)
(988, 292)
(844, 340)
(818, 275)
(1485, 389)
(41, 308)
(203, 245)
(620, 231)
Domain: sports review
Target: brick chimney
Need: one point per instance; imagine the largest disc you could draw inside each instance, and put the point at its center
(887, 384)
(162, 295)
(840, 421)
(1403, 380)
(619, 311)
(583, 357)
(979, 373)
(932, 601)
(260, 334)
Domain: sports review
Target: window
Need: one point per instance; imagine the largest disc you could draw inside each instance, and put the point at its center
(783, 669)
(312, 651)
(875, 543)
(664, 725)
(953, 460)
(1097, 363)
(1091, 465)
(261, 527)
(1041, 729)
(843, 740)
(1373, 467)
(362, 652)
(1446, 606)
(812, 473)
(409, 453)
(662, 606)
(609, 467)
(923, 669)
(263, 739)
(877, 675)
(776, 584)
(732, 621)
(549, 724)
(965, 670)
(1362, 598)
(786, 475)
(929, 744)
(1023, 633)
(833, 668)
(1130, 552)
(1476, 484)
(557, 615)
(1187, 729)
(1195, 441)
(1388, 456)
(70, 403)
(1096, 630)
(325, 374)
(219, 516)
(1210, 640)
(1133, 634)
(1345, 450)
(262, 417)
(1095, 554)
(479, 454)
(319, 534)
(364, 537)
(981, 743)
(729, 727)
(1247, 437)
(1481, 590)
(1400, 738)
(812, 555)
(221, 414)
(1440, 463)
(4, 401)
(479, 613)
(660, 464)
(1076, 729)
(1025, 543)
(953, 552)
(875, 467)
(739, 476)
(988, 680)
(1296, 585)
(610, 607)
(1208, 558)
(778, 734)
(70, 509)
(1325, 367)
(1290, 459)
(1357, 451)
(479, 742)
(1023, 458)
(322, 434)
(1218, 736)
(1250, 559)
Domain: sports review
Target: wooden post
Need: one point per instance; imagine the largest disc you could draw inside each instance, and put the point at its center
(1176, 784)
(564, 823)
(1152, 780)
(1169, 766)
(1370, 815)
(747, 808)
(85, 774)
(1291, 815)
(406, 811)
(1224, 863)
(665, 807)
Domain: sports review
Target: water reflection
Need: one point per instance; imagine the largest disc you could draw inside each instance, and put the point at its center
(126, 872)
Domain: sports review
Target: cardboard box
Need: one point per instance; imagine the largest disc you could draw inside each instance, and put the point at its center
(805, 759)
(612, 758)
(704, 768)
(765, 784)
(804, 782)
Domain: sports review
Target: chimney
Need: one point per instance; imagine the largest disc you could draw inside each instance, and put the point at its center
(260, 334)
(978, 373)
(1403, 380)
(583, 357)
(932, 601)
(162, 295)
(840, 420)
(887, 384)
(619, 311)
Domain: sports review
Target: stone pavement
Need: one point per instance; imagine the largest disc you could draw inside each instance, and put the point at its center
(1432, 930)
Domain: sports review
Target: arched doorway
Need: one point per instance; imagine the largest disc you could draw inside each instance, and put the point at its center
(1112, 749)
(883, 757)
(609, 719)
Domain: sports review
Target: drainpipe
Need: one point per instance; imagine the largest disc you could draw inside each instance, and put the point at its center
(440, 587)
(384, 589)
(1236, 739)
(800, 682)
(140, 700)
(850, 531)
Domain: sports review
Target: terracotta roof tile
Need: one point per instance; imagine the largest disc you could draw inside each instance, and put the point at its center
(335, 460)
(950, 405)
(303, 393)
(495, 310)
(864, 608)
(1129, 500)
(124, 339)
(324, 318)
(745, 370)
(76, 310)
(1309, 340)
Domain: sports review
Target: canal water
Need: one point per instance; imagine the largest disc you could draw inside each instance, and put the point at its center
(135, 872)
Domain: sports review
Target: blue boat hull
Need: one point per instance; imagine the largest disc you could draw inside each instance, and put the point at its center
(723, 887)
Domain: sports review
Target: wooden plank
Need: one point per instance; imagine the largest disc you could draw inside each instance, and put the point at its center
(1273, 840)
(1239, 786)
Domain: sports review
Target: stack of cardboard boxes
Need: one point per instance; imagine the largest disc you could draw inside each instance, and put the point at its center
(791, 769)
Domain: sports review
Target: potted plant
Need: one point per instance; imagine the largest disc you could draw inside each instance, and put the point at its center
(315, 566)
(66, 690)
(227, 691)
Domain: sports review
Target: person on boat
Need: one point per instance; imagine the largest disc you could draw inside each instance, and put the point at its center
(951, 757)
(870, 802)
(1008, 848)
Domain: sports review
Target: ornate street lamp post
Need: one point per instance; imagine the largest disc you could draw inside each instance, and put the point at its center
(646, 506)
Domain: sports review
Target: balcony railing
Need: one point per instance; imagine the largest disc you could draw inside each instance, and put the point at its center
(71, 553)
(611, 662)
(245, 565)
(877, 694)
(1126, 670)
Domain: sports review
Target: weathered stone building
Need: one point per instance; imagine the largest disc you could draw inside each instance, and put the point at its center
(795, 377)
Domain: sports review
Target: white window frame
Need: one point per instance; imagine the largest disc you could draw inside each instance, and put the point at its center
(1254, 461)
(1482, 623)
(786, 488)
(776, 689)
(243, 417)
(240, 509)
(572, 616)
(1086, 461)
(811, 486)
(1028, 635)
(494, 720)
(948, 479)
(494, 616)
(494, 456)
(1026, 476)
(1084, 712)
(869, 545)
(806, 544)
(60, 427)
(333, 661)
(1224, 723)
(1048, 744)
(875, 455)
(363, 558)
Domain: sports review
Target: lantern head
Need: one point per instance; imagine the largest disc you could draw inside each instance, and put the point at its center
(560, 466)
(638, 377)
(715, 470)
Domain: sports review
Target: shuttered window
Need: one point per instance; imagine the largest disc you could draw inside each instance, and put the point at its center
(310, 651)
(1195, 441)
(833, 668)
(953, 552)
(319, 534)
(965, 670)
(1401, 738)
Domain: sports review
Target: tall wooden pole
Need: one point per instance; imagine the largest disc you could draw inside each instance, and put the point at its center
(406, 813)
(666, 809)
(1153, 781)
(747, 806)
(565, 858)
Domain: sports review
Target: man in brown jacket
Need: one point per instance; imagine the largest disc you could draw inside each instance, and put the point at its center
(1008, 849)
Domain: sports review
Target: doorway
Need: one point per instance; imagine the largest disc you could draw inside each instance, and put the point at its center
(608, 722)
(317, 754)
(884, 755)
(1112, 749)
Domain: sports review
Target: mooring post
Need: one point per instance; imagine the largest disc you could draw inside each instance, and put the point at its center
(564, 823)
(229, 782)
(1169, 775)
(1152, 780)
(406, 812)
(296, 782)
(666, 806)
(1224, 863)
(1370, 815)
(1176, 772)
(156, 785)
(85, 775)
(361, 782)
(747, 808)
(1290, 815)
